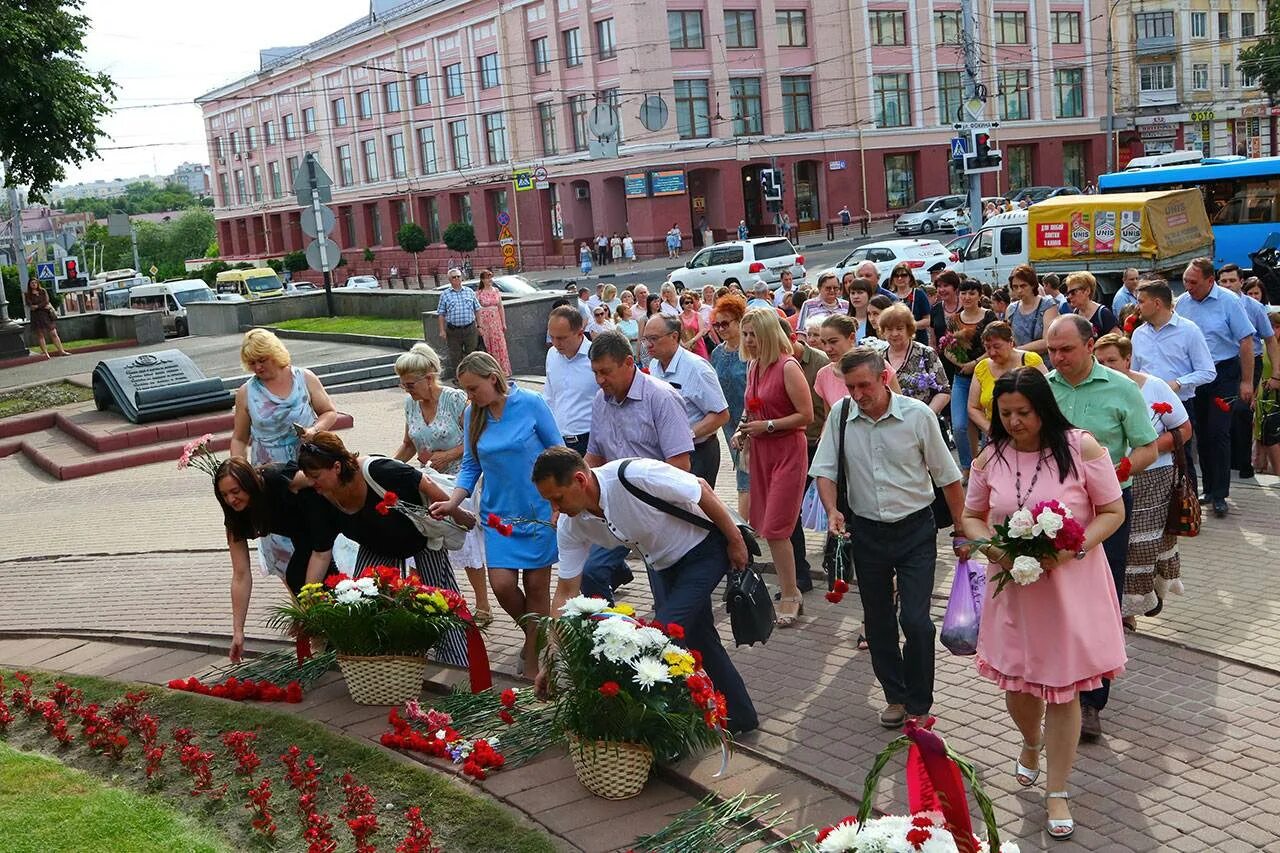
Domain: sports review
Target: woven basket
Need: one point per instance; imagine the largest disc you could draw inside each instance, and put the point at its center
(615, 770)
(383, 679)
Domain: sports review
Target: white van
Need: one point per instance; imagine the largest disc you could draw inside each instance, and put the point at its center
(998, 247)
(171, 298)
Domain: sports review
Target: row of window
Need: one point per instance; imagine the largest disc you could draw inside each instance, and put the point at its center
(1160, 25)
(685, 30)
(1160, 78)
(891, 96)
(889, 27)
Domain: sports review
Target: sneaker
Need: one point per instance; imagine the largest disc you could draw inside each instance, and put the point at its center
(893, 716)
(1090, 723)
(1220, 508)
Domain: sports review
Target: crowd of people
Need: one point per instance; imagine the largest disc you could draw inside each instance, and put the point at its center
(875, 412)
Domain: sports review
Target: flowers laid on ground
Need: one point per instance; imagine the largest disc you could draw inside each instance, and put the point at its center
(377, 613)
(1030, 535)
(616, 678)
(925, 832)
(478, 757)
(241, 690)
(198, 454)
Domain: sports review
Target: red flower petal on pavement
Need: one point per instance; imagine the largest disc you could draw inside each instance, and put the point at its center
(841, 586)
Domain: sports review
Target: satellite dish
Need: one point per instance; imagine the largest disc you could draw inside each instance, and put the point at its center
(603, 121)
(653, 113)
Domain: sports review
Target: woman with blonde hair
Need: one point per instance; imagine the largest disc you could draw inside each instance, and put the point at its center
(1081, 288)
(433, 436)
(779, 406)
(276, 397)
(506, 428)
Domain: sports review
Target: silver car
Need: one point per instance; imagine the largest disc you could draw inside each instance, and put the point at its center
(924, 216)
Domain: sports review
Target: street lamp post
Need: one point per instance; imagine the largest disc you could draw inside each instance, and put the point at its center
(1111, 91)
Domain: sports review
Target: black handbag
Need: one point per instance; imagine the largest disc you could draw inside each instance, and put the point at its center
(746, 596)
(842, 568)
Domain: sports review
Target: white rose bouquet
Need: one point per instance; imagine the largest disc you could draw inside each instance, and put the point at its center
(1029, 536)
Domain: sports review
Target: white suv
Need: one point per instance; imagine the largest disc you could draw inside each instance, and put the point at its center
(918, 254)
(741, 261)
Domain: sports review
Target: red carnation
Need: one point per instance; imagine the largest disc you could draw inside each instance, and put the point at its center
(1124, 469)
(835, 597)
(675, 631)
(917, 837)
(1161, 408)
(841, 586)
(1130, 323)
(508, 698)
(754, 403)
(609, 689)
(506, 529)
(506, 717)
(1222, 404)
(921, 821)
(697, 658)
(334, 579)
(494, 520)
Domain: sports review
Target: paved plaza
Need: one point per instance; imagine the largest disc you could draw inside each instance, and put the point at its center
(1188, 763)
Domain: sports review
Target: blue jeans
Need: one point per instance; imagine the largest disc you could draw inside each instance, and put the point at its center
(960, 417)
(682, 594)
(603, 570)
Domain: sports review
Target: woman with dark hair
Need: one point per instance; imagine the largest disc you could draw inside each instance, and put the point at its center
(262, 501)
(506, 428)
(965, 328)
(355, 485)
(860, 292)
(1029, 314)
(1046, 641)
(44, 324)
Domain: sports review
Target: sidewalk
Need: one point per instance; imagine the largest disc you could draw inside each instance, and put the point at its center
(1189, 762)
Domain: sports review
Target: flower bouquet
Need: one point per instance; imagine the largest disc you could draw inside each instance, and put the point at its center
(381, 626)
(440, 532)
(198, 453)
(623, 691)
(957, 346)
(1030, 535)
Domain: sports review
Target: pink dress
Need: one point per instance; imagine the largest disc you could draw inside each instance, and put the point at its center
(489, 321)
(1062, 633)
(691, 328)
(777, 460)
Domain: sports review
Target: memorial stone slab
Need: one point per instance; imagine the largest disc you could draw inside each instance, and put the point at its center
(157, 385)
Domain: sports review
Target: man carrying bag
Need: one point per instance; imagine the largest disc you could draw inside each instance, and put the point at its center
(685, 560)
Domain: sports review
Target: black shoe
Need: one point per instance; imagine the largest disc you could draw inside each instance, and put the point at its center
(1220, 508)
(1205, 499)
(1246, 473)
(1090, 723)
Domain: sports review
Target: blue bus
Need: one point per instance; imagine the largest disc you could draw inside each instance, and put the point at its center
(1241, 196)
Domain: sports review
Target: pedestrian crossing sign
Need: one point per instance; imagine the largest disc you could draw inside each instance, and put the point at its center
(46, 272)
(959, 147)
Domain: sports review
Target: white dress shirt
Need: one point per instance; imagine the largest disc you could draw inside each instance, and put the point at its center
(699, 387)
(570, 388)
(660, 538)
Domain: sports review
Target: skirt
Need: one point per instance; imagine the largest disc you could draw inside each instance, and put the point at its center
(1154, 567)
(432, 568)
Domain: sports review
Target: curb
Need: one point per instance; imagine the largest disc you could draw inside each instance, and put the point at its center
(342, 338)
(32, 359)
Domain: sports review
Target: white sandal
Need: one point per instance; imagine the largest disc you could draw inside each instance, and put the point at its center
(1060, 829)
(1020, 772)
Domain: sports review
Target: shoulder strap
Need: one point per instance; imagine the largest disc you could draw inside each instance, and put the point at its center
(842, 493)
(658, 503)
(374, 485)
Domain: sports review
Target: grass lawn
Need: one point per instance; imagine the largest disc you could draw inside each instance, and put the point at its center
(42, 397)
(383, 326)
(461, 820)
(72, 346)
(47, 807)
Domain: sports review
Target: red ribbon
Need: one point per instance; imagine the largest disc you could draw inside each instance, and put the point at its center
(477, 657)
(934, 783)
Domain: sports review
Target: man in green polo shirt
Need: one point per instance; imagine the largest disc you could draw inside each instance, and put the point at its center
(1110, 406)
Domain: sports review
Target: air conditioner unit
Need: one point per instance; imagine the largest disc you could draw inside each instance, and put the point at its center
(582, 192)
(222, 161)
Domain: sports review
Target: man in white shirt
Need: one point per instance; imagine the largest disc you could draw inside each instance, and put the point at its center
(571, 385)
(695, 379)
(685, 561)
(584, 304)
(783, 289)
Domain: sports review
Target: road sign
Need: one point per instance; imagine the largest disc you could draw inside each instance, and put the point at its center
(523, 180)
(45, 272)
(976, 125)
(540, 178)
(504, 219)
(603, 120)
(959, 147)
(654, 113)
(332, 254)
(509, 251)
(312, 180)
(504, 236)
(327, 221)
(154, 269)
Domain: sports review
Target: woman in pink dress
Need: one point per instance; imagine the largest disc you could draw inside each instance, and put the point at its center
(778, 408)
(1045, 642)
(693, 329)
(492, 320)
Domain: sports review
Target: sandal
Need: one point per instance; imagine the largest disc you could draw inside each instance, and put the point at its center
(863, 645)
(1021, 773)
(786, 620)
(1130, 624)
(1060, 829)
(483, 618)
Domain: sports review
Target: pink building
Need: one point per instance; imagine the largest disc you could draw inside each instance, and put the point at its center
(433, 111)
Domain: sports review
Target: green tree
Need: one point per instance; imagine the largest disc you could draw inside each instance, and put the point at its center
(210, 271)
(140, 197)
(51, 106)
(1262, 58)
(413, 240)
(460, 237)
(295, 261)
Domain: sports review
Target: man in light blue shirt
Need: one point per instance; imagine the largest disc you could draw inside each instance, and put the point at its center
(1229, 334)
(1127, 295)
(1264, 338)
(704, 402)
(1168, 346)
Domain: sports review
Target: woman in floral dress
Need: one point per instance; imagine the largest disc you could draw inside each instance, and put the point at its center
(492, 320)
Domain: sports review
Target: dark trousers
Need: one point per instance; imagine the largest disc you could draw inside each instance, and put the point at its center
(577, 443)
(1189, 446)
(461, 341)
(704, 461)
(907, 549)
(1213, 430)
(1242, 425)
(804, 579)
(682, 593)
(1116, 547)
(605, 570)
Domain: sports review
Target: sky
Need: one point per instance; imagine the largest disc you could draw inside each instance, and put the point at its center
(163, 54)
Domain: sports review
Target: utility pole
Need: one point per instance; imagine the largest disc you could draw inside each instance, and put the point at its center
(19, 253)
(975, 100)
(1111, 89)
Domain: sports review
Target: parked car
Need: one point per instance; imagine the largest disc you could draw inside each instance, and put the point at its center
(171, 299)
(740, 261)
(950, 220)
(1035, 194)
(923, 216)
(362, 282)
(919, 254)
(509, 286)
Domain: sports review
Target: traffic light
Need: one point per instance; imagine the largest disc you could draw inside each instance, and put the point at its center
(982, 155)
(72, 269)
(771, 184)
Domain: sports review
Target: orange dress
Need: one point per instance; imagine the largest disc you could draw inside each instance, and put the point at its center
(489, 323)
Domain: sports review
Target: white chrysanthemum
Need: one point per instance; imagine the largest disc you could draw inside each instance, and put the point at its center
(1020, 524)
(650, 671)
(843, 838)
(1009, 847)
(616, 650)
(1049, 522)
(344, 585)
(1026, 570)
(368, 587)
(650, 638)
(583, 606)
(348, 596)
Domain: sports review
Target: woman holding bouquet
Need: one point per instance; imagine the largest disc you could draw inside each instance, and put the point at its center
(1046, 640)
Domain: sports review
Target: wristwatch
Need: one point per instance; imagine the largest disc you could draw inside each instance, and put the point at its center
(1080, 554)
(768, 426)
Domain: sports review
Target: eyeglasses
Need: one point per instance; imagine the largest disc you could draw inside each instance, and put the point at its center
(902, 275)
(1073, 291)
(722, 325)
(409, 386)
(653, 339)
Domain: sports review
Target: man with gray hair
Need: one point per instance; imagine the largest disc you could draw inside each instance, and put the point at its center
(695, 379)
(889, 451)
(1128, 294)
(456, 312)
(761, 296)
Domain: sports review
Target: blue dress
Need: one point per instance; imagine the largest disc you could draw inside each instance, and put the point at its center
(507, 450)
(272, 439)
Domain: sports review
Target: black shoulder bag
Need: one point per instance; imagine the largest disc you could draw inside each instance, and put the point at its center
(844, 569)
(746, 597)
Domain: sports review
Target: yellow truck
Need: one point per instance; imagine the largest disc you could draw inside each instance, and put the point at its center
(1157, 232)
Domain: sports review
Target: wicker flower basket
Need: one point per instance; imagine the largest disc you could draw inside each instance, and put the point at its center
(383, 679)
(615, 770)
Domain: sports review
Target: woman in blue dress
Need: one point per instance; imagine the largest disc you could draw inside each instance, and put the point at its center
(507, 427)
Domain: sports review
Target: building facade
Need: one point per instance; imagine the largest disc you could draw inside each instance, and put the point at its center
(193, 176)
(484, 112)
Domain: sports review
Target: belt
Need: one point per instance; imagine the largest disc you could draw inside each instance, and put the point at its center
(574, 439)
(918, 515)
(463, 326)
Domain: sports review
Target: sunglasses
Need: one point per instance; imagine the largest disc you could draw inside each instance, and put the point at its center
(902, 275)
(1073, 291)
(721, 325)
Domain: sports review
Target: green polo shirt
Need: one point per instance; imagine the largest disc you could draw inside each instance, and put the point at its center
(1110, 406)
